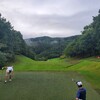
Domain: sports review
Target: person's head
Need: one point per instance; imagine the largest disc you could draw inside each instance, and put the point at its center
(79, 84)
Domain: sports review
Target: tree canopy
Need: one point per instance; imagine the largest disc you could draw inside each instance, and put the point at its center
(11, 42)
(88, 44)
(46, 47)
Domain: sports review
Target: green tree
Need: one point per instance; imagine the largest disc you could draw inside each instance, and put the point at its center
(89, 42)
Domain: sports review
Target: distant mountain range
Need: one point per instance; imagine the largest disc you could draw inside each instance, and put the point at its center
(48, 40)
(47, 47)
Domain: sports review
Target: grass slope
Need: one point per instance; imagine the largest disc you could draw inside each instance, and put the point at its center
(89, 67)
(86, 70)
(26, 64)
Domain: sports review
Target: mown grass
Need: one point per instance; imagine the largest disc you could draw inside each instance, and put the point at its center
(91, 71)
(89, 67)
(26, 64)
(44, 86)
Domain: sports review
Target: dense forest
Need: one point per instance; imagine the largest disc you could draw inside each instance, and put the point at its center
(11, 43)
(88, 44)
(46, 47)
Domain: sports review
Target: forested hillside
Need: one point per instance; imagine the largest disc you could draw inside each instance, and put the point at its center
(88, 44)
(47, 47)
(11, 42)
(43, 48)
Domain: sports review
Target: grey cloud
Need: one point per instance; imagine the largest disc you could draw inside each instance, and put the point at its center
(59, 22)
(49, 17)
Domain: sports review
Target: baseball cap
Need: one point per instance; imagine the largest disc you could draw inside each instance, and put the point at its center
(79, 83)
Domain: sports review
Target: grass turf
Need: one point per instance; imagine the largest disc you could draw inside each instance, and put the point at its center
(89, 67)
(44, 86)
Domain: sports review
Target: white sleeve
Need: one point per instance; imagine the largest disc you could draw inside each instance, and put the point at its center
(12, 68)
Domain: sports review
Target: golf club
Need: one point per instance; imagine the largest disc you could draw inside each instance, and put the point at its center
(73, 80)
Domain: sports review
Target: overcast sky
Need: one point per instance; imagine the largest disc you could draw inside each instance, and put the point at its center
(55, 18)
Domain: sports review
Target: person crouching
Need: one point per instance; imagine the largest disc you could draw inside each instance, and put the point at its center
(9, 73)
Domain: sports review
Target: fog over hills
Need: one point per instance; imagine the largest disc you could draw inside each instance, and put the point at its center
(47, 40)
(48, 47)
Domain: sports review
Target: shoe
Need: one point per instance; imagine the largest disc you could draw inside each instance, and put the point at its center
(5, 81)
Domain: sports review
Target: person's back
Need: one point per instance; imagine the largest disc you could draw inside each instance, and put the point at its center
(9, 73)
(81, 93)
(9, 68)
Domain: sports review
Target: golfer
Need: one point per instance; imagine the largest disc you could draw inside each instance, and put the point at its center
(81, 93)
(9, 73)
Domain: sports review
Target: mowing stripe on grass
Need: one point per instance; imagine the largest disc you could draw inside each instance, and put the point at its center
(44, 86)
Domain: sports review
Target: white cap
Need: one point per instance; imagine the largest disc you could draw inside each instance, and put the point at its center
(79, 83)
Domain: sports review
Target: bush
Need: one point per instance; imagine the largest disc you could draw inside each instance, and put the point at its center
(2, 59)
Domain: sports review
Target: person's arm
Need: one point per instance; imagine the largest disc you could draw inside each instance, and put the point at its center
(76, 98)
(12, 72)
(4, 67)
(77, 95)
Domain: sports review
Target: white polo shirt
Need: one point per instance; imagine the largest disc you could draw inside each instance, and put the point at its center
(9, 68)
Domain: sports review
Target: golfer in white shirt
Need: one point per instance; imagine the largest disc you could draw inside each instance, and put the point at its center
(9, 73)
